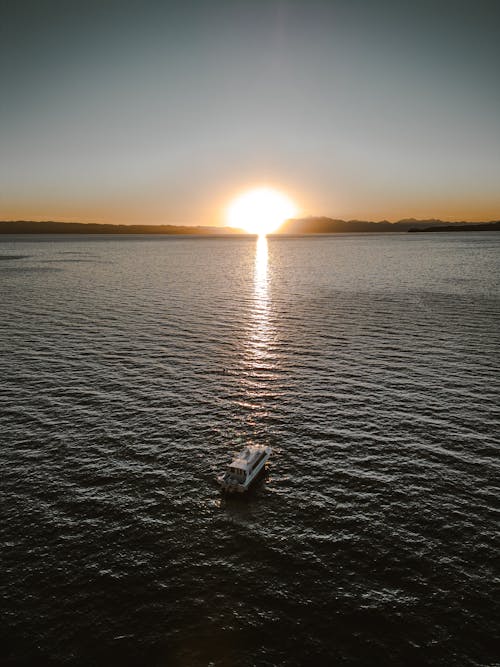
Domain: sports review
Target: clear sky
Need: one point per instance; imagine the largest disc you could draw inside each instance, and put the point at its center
(161, 112)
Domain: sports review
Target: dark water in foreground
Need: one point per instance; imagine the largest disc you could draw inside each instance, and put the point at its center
(132, 368)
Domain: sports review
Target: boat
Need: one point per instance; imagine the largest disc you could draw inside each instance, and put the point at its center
(244, 468)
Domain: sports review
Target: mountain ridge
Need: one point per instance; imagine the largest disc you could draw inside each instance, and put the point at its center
(325, 225)
(309, 225)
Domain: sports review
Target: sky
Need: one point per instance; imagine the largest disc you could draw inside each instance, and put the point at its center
(161, 112)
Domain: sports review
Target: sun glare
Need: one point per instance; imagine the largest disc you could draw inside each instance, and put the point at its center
(260, 211)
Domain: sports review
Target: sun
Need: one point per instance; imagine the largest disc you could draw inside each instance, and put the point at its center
(260, 211)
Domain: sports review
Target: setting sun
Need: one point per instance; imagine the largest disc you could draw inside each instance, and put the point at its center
(260, 211)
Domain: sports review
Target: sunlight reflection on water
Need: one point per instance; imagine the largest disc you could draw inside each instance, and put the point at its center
(260, 329)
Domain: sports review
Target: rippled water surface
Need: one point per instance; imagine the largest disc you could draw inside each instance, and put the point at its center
(131, 369)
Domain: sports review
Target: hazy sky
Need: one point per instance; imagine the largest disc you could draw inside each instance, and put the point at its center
(160, 112)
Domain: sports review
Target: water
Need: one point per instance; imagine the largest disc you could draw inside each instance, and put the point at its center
(132, 368)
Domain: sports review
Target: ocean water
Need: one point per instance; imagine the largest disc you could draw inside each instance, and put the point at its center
(132, 368)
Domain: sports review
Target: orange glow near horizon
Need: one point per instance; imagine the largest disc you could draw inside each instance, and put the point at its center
(260, 211)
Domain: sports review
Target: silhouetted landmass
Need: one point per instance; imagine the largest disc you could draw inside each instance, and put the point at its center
(462, 227)
(316, 225)
(37, 227)
(324, 225)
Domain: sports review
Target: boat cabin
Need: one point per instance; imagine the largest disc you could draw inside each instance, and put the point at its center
(237, 472)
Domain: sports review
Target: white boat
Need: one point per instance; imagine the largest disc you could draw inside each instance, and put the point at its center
(244, 468)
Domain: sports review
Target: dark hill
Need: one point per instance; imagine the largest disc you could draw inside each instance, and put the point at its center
(462, 227)
(323, 225)
(50, 227)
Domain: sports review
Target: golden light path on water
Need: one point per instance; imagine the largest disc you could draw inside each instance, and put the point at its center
(260, 270)
(258, 381)
(260, 332)
(257, 357)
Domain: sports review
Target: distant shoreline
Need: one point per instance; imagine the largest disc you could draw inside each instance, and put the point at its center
(324, 225)
(289, 228)
(467, 227)
(53, 227)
